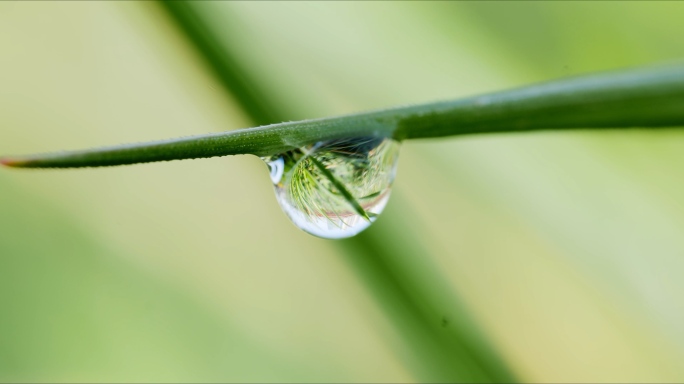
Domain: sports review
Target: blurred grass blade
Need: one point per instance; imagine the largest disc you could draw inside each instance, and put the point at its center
(434, 354)
(650, 97)
(224, 66)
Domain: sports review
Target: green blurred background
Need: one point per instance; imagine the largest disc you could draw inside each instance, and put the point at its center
(537, 257)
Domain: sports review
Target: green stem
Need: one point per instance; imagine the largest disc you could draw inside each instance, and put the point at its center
(651, 97)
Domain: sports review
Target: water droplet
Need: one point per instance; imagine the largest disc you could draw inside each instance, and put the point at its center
(335, 189)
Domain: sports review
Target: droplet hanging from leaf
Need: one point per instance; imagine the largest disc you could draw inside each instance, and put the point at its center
(337, 188)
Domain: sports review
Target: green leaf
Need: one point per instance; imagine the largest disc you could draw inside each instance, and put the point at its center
(650, 97)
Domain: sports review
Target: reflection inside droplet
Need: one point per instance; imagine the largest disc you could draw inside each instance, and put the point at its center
(335, 189)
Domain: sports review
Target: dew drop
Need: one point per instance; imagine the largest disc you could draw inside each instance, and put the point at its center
(337, 188)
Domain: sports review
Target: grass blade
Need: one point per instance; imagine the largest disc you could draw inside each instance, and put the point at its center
(458, 353)
(646, 98)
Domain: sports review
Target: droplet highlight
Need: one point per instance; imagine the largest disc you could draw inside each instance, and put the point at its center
(337, 188)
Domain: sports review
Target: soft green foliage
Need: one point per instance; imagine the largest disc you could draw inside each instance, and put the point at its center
(541, 257)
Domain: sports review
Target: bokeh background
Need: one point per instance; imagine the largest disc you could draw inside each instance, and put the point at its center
(536, 257)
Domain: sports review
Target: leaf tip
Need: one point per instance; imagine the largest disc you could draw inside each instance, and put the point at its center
(10, 162)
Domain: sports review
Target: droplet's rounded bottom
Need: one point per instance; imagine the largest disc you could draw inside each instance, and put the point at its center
(336, 227)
